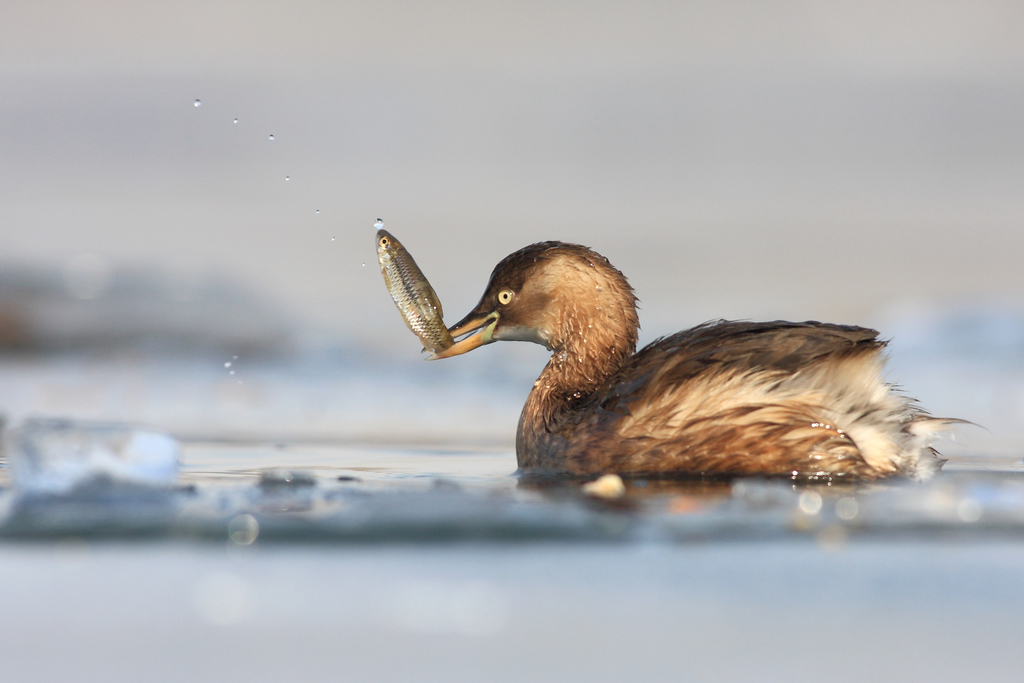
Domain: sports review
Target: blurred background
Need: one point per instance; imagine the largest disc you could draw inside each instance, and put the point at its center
(187, 195)
(187, 198)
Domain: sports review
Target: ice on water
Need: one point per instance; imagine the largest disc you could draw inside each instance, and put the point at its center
(55, 456)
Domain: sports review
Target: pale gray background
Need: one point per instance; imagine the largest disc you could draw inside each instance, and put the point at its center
(737, 159)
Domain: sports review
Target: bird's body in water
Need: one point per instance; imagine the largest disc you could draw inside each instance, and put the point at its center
(801, 400)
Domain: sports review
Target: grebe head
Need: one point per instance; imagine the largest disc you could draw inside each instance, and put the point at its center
(554, 294)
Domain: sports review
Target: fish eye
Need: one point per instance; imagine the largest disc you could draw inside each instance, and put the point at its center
(505, 296)
(384, 241)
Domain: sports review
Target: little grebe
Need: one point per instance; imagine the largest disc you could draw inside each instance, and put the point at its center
(802, 400)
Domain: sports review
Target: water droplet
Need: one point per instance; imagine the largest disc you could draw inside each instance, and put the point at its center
(232, 372)
(287, 177)
(234, 357)
(332, 239)
(243, 529)
(364, 265)
(271, 137)
(236, 120)
(810, 502)
(378, 224)
(846, 508)
(197, 103)
(318, 212)
(969, 510)
(227, 364)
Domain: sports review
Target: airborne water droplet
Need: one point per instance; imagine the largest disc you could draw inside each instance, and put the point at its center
(236, 120)
(232, 372)
(271, 137)
(287, 177)
(332, 239)
(197, 103)
(227, 364)
(378, 224)
(364, 265)
(318, 212)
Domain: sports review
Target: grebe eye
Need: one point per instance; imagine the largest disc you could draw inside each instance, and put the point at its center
(384, 241)
(505, 296)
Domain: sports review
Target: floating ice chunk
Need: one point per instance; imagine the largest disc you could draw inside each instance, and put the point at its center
(55, 456)
(606, 486)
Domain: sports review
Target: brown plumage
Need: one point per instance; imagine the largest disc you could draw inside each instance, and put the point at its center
(802, 400)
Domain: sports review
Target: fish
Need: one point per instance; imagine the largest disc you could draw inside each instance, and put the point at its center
(412, 293)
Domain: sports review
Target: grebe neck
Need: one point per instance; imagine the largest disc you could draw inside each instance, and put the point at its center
(592, 344)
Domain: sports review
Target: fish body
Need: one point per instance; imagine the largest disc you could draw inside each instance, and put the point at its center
(413, 295)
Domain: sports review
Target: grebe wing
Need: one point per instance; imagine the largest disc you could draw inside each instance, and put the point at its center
(778, 346)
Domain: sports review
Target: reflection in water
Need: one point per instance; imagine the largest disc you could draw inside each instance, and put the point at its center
(705, 490)
(252, 494)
